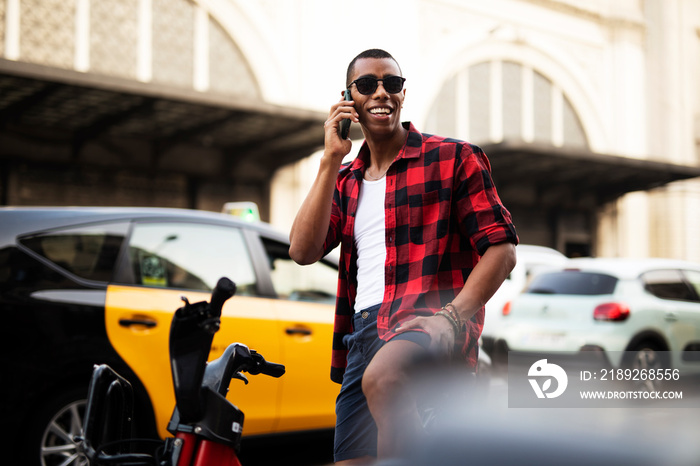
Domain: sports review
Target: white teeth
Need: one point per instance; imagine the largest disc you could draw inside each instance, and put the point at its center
(385, 110)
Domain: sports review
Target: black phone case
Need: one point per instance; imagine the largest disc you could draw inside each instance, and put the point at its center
(345, 124)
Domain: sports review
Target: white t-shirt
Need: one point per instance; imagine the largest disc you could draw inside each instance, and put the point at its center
(370, 233)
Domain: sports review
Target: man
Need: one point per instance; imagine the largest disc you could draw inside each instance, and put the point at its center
(425, 242)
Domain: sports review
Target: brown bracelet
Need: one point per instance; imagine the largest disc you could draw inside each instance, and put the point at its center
(449, 307)
(450, 319)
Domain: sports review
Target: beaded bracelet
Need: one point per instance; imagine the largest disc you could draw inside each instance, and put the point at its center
(449, 307)
(450, 319)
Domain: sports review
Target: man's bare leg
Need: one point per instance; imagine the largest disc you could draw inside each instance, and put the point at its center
(392, 406)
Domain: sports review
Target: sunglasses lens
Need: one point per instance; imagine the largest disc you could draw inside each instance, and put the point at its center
(366, 86)
(393, 84)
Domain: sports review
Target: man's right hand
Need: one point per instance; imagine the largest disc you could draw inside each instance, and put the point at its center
(334, 145)
(310, 226)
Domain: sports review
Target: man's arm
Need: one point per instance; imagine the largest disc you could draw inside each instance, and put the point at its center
(310, 226)
(488, 275)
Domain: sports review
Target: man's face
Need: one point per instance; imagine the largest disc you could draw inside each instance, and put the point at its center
(379, 112)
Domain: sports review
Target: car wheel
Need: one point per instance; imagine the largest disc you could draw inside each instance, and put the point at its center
(647, 357)
(52, 434)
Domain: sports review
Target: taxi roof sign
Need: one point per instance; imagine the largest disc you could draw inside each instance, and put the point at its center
(246, 211)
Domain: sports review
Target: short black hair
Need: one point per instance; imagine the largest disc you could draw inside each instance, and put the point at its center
(370, 53)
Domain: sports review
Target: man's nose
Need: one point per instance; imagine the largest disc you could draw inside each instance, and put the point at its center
(380, 88)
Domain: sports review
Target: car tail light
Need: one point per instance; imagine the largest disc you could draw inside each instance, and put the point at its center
(506, 309)
(613, 312)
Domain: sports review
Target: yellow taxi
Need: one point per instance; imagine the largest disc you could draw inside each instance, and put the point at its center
(100, 285)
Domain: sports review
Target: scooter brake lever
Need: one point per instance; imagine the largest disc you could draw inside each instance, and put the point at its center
(240, 376)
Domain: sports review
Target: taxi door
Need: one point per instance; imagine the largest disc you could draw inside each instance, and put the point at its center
(305, 308)
(308, 395)
(167, 260)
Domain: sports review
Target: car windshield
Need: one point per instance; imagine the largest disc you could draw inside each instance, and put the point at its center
(574, 282)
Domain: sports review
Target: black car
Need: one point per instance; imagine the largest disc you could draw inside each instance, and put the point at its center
(86, 286)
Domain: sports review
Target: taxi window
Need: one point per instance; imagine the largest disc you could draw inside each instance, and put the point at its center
(190, 256)
(316, 282)
(88, 251)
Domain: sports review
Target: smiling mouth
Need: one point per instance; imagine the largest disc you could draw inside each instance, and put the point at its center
(380, 111)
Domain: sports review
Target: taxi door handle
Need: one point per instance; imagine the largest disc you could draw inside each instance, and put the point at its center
(133, 322)
(298, 331)
(671, 316)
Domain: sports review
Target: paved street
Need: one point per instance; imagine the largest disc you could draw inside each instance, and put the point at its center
(293, 450)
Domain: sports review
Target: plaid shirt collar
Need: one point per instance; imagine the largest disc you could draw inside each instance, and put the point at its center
(410, 150)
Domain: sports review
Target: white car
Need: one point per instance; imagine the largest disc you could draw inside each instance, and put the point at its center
(531, 260)
(650, 307)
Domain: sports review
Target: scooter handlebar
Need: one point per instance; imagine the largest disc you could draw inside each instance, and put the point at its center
(264, 367)
(223, 290)
(273, 370)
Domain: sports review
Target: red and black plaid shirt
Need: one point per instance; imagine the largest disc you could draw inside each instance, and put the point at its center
(442, 213)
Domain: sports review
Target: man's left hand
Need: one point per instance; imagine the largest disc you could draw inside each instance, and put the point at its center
(441, 332)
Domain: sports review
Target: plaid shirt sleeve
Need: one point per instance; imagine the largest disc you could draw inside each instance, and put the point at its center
(337, 234)
(482, 219)
(481, 215)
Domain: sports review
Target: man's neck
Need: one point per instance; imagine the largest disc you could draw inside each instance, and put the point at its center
(384, 150)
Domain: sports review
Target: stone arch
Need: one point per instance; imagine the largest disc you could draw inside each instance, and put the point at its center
(178, 43)
(190, 48)
(244, 23)
(546, 63)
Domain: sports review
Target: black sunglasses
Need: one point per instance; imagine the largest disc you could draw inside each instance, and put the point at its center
(368, 84)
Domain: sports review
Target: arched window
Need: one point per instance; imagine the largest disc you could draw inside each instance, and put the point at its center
(498, 101)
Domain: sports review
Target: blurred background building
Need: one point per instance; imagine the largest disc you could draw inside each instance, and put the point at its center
(589, 110)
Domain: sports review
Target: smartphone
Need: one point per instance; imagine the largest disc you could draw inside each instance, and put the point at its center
(345, 124)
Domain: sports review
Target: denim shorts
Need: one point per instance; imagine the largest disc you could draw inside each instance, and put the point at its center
(355, 430)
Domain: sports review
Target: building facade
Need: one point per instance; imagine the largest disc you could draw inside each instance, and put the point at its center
(588, 109)
(609, 78)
